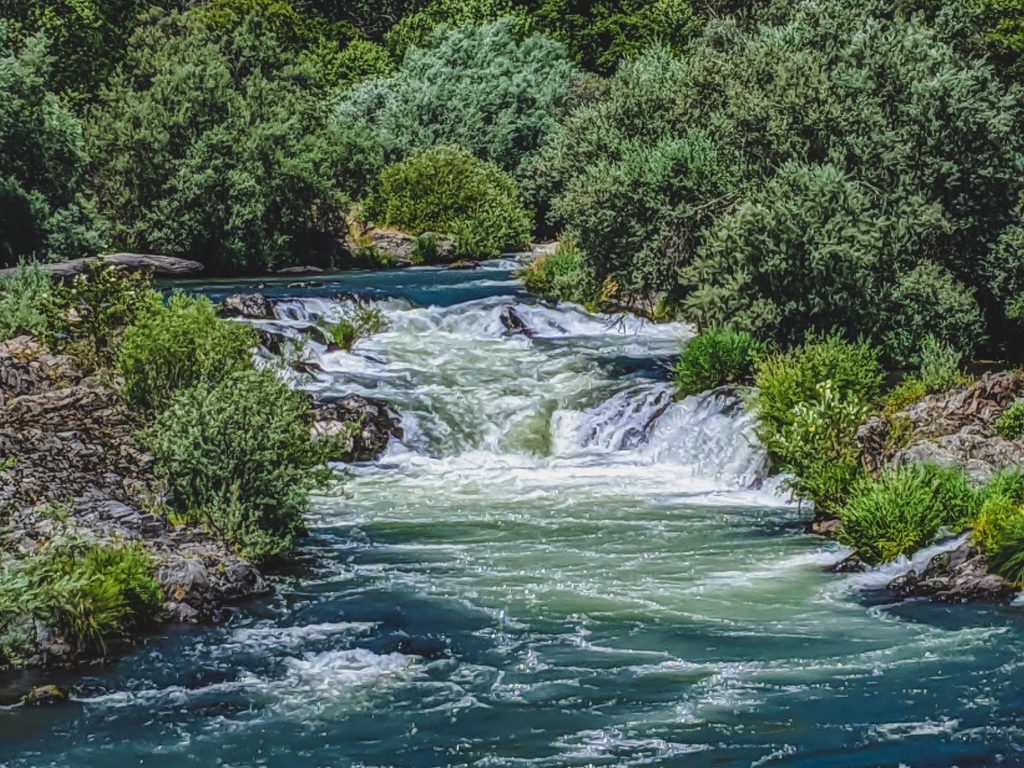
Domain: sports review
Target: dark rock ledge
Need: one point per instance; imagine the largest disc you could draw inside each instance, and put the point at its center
(67, 442)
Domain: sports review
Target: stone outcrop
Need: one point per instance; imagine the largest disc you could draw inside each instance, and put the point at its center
(952, 429)
(69, 460)
(400, 248)
(158, 266)
(363, 425)
(251, 306)
(957, 576)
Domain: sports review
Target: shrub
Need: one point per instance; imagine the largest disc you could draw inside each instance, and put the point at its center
(999, 525)
(237, 458)
(909, 391)
(940, 366)
(356, 323)
(90, 314)
(88, 593)
(447, 190)
(176, 346)
(484, 88)
(715, 357)
(903, 510)
(562, 275)
(1011, 424)
(24, 298)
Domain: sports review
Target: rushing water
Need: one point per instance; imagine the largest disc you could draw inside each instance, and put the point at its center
(558, 566)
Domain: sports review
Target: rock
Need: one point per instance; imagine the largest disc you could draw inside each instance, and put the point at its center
(849, 564)
(375, 424)
(44, 696)
(401, 248)
(159, 266)
(826, 526)
(953, 429)
(956, 576)
(302, 269)
(252, 306)
(514, 323)
(464, 264)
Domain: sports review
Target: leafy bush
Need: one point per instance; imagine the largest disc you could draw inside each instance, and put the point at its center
(999, 525)
(447, 190)
(250, 176)
(88, 593)
(237, 458)
(42, 162)
(483, 88)
(909, 391)
(356, 323)
(562, 275)
(809, 404)
(90, 314)
(940, 366)
(24, 298)
(1011, 424)
(177, 345)
(715, 357)
(903, 510)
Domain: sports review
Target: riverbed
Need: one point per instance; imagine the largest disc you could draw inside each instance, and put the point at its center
(558, 565)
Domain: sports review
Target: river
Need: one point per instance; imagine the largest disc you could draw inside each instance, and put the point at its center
(557, 566)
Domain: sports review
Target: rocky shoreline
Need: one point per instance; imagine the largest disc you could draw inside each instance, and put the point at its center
(70, 462)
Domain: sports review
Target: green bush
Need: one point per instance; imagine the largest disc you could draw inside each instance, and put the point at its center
(90, 314)
(562, 275)
(488, 89)
(909, 391)
(177, 345)
(809, 403)
(1011, 424)
(24, 298)
(356, 323)
(999, 525)
(238, 459)
(903, 510)
(88, 593)
(940, 366)
(713, 358)
(448, 191)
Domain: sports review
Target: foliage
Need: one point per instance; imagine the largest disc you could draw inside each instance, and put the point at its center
(176, 346)
(483, 88)
(809, 403)
(903, 395)
(237, 458)
(1011, 424)
(89, 315)
(88, 593)
(999, 524)
(356, 323)
(940, 366)
(715, 357)
(24, 298)
(42, 162)
(447, 190)
(562, 275)
(903, 509)
(251, 176)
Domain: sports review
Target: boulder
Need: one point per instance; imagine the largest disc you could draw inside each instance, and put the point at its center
(953, 429)
(364, 426)
(251, 306)
(514, 323)
(301, 269)
(158, 266)
(401, 248)
(956, 576)
(44, 696)
(464, 264)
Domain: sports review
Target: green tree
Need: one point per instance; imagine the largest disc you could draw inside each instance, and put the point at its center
(250, 175)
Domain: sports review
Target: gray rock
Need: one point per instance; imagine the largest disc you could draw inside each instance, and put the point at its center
(364, 426)
(252, 306)
(514, 323)
(399, 247)
(957, 576)
(301, 269)
(159, 266)
(44, 696)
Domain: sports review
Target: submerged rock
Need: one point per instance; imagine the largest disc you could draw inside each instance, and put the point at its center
(464, 264)
(957, 576)
(365, 426)
(45, 695)
(514, 323)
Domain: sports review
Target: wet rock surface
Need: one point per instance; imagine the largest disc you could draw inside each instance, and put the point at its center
(957, 576)
(252, 306)
(363, 425)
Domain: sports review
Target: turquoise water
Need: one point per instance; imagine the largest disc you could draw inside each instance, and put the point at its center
(557, 567)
